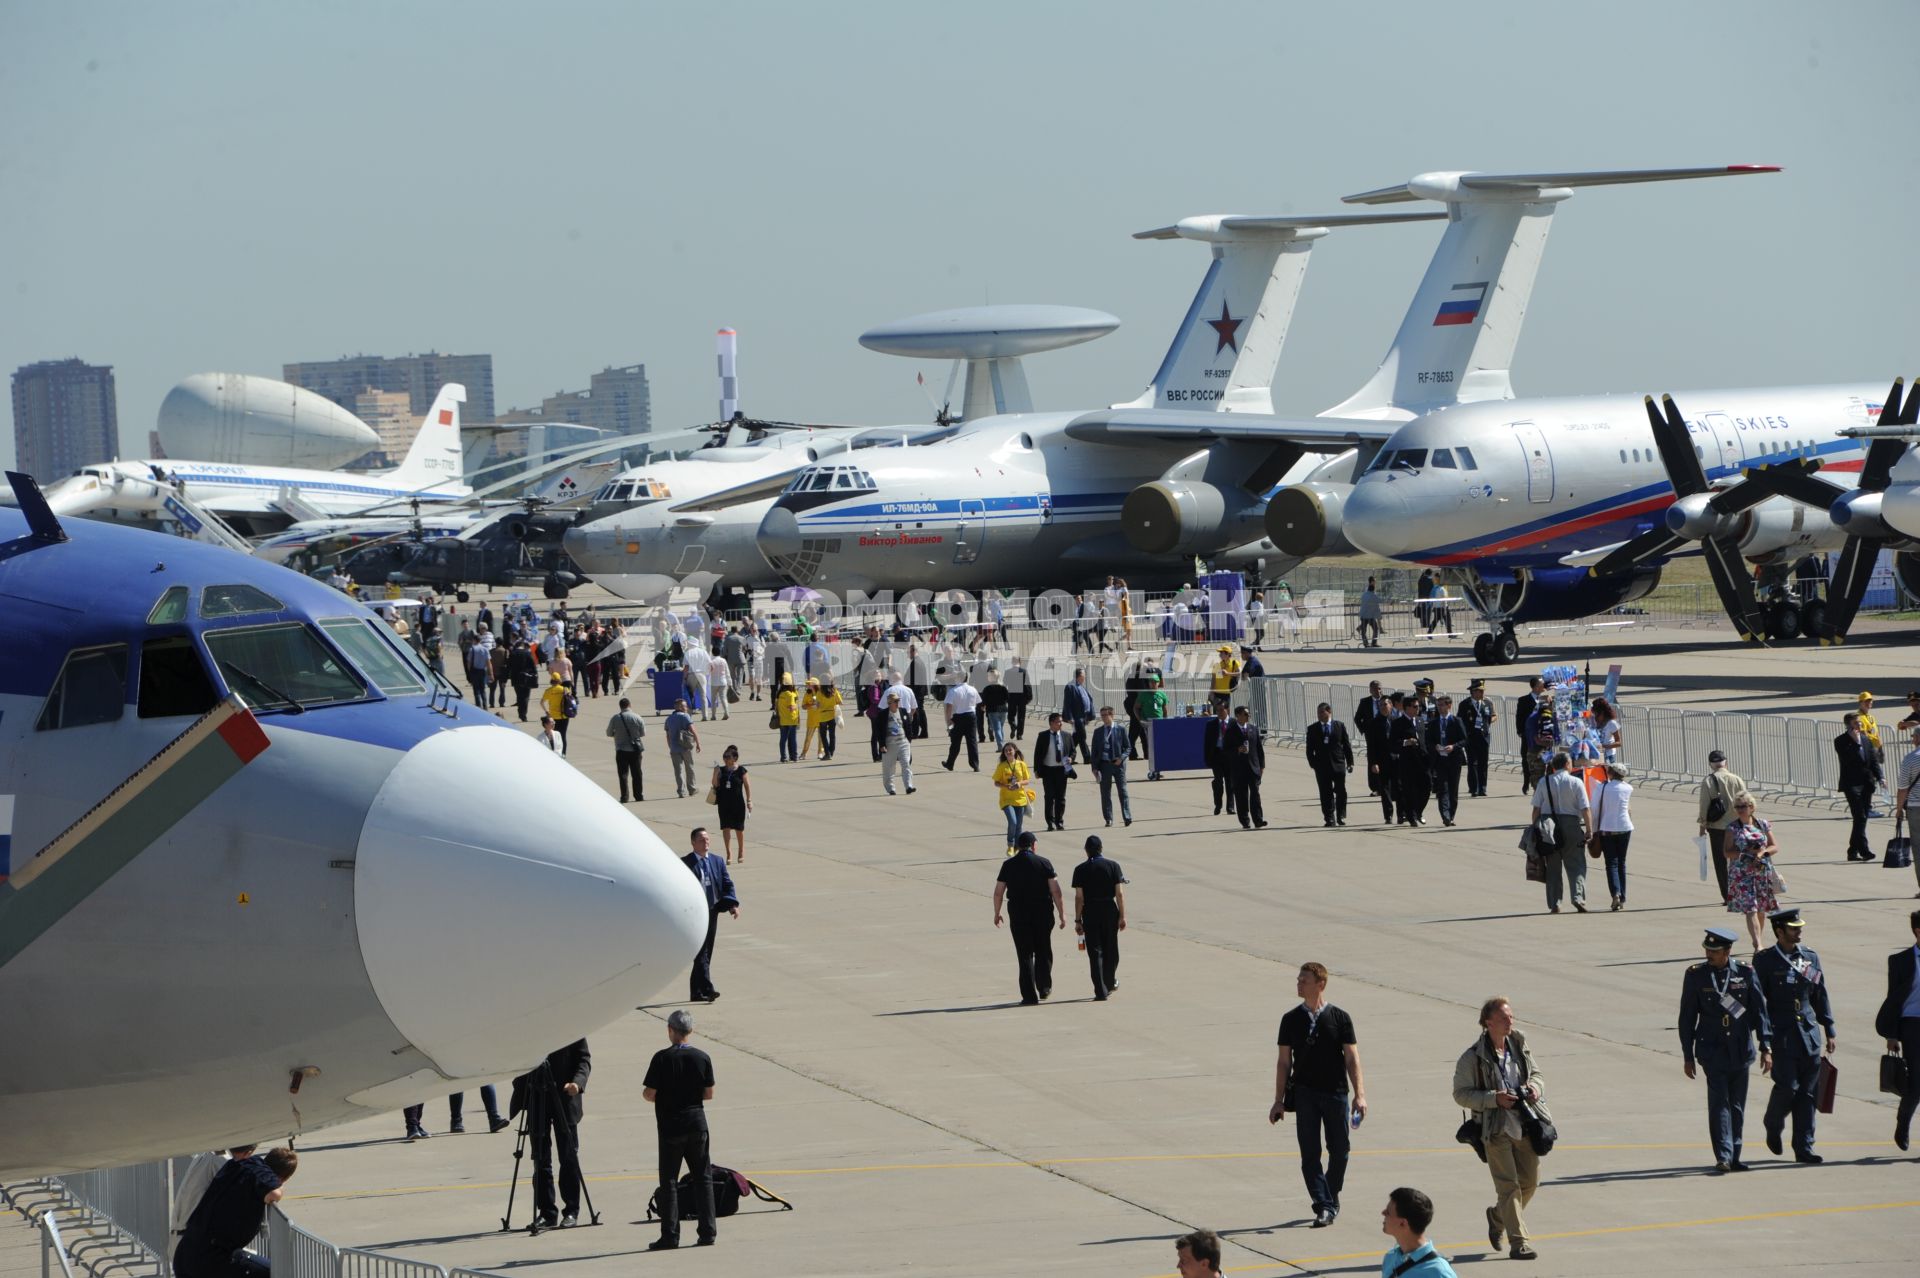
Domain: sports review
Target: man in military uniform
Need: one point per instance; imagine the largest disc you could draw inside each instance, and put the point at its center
(1479, 715)
(1796, 992)
(1721, 1012)
(1446, 742)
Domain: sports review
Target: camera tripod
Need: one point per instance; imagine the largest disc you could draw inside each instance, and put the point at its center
(545, 1103)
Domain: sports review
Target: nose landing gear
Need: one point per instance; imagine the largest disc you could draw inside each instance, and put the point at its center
(1498, 648)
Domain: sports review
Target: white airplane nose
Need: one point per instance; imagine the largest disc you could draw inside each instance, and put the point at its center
(506, 905)
(779, 533)
(1376, 519)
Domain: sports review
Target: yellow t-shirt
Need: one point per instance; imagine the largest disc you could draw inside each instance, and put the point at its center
(1013, 770)
(826, 706)
(788, 704)
(1225, 673)
(554, 699)
(1870, 729)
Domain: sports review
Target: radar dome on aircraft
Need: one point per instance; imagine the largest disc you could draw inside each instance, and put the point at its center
(989, 332)
(245, 420)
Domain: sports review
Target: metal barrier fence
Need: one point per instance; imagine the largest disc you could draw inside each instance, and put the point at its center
(121, 1220)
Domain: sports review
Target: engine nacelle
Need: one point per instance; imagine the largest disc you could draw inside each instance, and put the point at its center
(1693, 518)
(1305, 520)
(1188, 517)
(1779, 529)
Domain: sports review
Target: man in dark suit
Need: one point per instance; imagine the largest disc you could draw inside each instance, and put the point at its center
(553, 1096)
(1330, 755)
(1860, 777)
(1371, 718)
(1523, 708)
(1446, 747)
(1076, 707)
(1212, 751)
(1898, 1021)
(1408, 759)
(1052, 756)
(711, 870)
(1110, 765)
(1246, 761)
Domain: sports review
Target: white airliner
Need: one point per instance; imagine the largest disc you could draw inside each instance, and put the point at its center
(1018, 500)
(257, 500)
(260, 872)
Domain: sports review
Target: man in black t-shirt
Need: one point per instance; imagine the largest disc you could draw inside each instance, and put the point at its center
(1100, 915)
(1318, 1056)
(229, 1214)
(1030, 891)
(679, 1079)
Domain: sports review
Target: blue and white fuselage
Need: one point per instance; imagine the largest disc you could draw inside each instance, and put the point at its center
(397, 893)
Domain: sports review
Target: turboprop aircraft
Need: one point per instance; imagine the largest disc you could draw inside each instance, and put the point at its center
(261, 872)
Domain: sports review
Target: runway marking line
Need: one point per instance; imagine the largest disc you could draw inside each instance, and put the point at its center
(1651, 1226)
(1041, 1164)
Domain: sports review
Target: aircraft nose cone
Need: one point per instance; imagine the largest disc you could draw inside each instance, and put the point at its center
(1376, 519)
(507, 905)
(779, 533)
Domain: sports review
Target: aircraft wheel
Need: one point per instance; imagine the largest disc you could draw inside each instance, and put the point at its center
(1507, 648)
(1783, 621)
(1813, 620)
(461, 595)
(1483, 649)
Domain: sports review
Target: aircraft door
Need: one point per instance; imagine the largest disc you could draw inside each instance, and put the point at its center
(1539, 459)
(972, 529)
(1725, 439)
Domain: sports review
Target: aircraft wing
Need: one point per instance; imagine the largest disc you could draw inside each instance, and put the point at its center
(1313, 434)
(740, 494)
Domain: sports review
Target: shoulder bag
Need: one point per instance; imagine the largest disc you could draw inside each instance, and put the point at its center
(1893, 1074)
(1537, 1127)
(1593, 840)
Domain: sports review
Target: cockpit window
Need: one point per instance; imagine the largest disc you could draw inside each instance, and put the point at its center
(92, 688)
(1466, 459)
(237, 600)
(170, 607)
(374, 655)
(1410, 459)
(1443, 459)
(820, 479)
(281, 667)
(1381, 460)
(172, 680)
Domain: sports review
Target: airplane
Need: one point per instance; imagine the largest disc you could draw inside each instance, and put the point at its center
(658, 526)
(257, 500)
(261, 872)
(1018, 500)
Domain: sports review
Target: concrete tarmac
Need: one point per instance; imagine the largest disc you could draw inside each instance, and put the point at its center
(875, 1068)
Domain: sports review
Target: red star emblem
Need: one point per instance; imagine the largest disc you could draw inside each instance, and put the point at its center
(1226, 328)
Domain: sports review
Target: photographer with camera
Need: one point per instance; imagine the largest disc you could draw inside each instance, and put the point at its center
(1496, 1080)
(553, 1096)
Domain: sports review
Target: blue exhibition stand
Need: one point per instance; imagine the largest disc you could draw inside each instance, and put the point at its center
(1179, 745)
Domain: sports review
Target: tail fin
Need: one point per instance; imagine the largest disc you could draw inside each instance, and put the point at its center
(1457, 341)
(434, 460)
(1226, 360)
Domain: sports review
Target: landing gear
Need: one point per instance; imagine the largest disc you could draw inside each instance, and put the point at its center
(1813, 619)
(460, 595)
(1501, 649)
(1783, 620)
(553, 587)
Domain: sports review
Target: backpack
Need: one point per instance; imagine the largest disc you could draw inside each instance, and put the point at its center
(569, 705)
(686, 741)
(729, 1187)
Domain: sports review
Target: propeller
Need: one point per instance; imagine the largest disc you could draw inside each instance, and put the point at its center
(1854, 571)
(943, 414)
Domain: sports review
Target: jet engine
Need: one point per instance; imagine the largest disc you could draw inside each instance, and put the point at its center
(1187, 516)
(1306, 520)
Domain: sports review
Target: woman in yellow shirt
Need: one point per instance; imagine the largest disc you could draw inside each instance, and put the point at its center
(554, 701)
(826, 717)
(1012, 779)
(786, 710)
(810, 712)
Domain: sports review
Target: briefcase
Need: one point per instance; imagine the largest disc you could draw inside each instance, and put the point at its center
(1893, 1074)
(1899, 853)
(1824, 1088)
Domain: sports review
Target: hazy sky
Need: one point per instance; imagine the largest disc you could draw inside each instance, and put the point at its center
(190, 187)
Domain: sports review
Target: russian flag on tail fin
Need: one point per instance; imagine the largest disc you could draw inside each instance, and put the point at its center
(1461, 304)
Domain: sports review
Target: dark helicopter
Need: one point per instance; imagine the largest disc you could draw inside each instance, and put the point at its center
(520, 548)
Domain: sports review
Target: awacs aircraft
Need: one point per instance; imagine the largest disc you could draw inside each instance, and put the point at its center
(260, 873)
(254, 500)
(691, 522)
(1015, 500)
